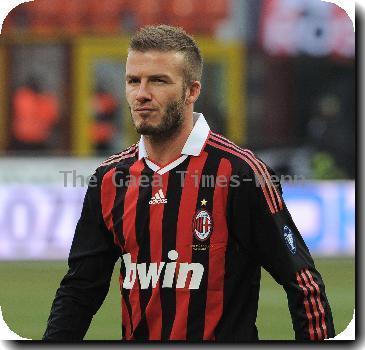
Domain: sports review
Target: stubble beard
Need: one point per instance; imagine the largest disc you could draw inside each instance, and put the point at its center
(170, 124)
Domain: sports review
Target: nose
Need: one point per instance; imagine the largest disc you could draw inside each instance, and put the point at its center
(143, 93)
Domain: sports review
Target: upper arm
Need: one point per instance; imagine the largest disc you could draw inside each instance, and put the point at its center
(93, 253)
(91, 235)
(91, 263)
(265, 228)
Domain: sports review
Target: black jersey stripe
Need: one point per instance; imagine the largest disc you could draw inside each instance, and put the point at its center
(126, 309)
(120, 191)
(153, 313)
(169, 225)
(200, 251)
(143, 240)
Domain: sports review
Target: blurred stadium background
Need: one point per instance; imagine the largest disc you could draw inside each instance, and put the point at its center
(279, 78)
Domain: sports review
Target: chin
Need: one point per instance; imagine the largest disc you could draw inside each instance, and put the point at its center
(146, 129)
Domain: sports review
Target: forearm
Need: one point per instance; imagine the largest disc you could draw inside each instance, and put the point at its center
(69, 319)
(309, 306)
(80, 295)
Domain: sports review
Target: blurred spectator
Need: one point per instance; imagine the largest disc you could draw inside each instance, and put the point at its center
(105, 109)
(331, 132)
(324, 167)
(35, 113)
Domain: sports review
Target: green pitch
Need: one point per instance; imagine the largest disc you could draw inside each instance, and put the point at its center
(27, 290)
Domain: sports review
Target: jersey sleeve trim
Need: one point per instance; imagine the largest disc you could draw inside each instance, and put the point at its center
(315, 315)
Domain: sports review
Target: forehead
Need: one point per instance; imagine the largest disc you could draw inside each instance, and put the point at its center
(154, 62)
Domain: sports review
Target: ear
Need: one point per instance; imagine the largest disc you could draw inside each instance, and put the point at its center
(192, 92)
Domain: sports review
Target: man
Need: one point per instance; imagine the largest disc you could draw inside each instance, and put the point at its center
(192, 216)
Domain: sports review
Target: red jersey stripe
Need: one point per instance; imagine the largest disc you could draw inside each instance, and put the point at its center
(129, 230)
(184, 238)
(253, 167)
(314, 305)
(324, 327)
(306, 306)
(153, 309)
(108, 191)
(217, 252)
(264, 179)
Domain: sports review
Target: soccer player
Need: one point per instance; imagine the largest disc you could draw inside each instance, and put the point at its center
(192, 216)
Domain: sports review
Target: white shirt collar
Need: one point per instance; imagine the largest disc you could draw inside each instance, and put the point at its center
(195, 142)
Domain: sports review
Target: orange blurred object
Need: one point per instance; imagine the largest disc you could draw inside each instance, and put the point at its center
(101, 132)
(201, 16)
(216, 9)
(71, 15)
(110, 16)
(34, 115)
(105, 16)
(43, 16)
(104, 106)
(146, 11)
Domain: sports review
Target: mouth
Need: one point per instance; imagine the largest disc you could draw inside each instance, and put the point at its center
(144, 109)
(144, 113)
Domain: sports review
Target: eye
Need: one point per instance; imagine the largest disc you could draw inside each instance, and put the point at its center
(132, 81)
(159, 80)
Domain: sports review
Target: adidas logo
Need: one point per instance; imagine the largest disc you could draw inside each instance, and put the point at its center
(158, 198)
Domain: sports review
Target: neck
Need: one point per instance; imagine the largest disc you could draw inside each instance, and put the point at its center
(164, 150)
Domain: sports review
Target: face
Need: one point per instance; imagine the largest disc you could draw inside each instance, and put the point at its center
(155, 91)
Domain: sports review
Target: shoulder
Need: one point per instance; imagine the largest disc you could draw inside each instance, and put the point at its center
(243, 160)
(252, 171)
(124, 157)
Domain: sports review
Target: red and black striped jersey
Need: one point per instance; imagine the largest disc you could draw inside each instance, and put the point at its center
(192, 237)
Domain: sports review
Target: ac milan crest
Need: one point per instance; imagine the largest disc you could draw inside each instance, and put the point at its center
(202, 225)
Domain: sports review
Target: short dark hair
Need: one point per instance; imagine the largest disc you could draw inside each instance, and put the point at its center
(168, 38)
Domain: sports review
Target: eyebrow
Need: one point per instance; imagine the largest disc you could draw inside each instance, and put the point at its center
(154, 76)
(165, 76)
